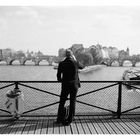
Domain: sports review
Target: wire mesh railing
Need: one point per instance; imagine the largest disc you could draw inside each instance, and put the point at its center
(94, 97)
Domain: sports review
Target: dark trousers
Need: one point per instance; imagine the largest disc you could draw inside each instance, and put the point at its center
(67, 89)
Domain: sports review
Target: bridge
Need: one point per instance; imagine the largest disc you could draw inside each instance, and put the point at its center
(35, 60)
(121, 61)
(117, 112)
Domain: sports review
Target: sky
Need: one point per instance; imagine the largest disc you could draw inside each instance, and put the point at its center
(49, 28)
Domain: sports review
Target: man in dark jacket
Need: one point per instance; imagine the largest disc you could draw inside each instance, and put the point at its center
(67, 74)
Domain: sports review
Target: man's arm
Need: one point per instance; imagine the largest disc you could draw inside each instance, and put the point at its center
(80, 66)
(59, 73)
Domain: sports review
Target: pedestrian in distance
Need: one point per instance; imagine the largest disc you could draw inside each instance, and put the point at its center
(67, 74)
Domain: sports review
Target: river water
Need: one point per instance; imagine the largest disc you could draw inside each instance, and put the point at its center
(47, 73)
(102, 98)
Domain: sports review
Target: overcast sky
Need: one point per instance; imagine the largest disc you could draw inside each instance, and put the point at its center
(47, 29)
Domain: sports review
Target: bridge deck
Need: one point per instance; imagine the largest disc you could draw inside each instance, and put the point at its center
(80, 125)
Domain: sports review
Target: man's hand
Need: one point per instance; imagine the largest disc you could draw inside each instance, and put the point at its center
(74, 57)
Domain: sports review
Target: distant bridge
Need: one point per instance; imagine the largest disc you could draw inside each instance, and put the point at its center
(35, 60)
(120, 61)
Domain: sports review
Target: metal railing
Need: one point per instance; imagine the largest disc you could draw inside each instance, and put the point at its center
(94, 97)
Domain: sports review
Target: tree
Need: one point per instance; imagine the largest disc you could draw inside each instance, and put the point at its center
(61, 54)
(7, 52)
(20, 54)
(39, 54)
(113, 53)
(85, 58)
(77, 49)
(96, 53)
(122, 54)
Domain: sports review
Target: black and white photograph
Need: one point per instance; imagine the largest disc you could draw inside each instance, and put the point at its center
(69, 68)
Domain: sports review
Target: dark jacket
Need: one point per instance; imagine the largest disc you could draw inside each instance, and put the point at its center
(68, 71)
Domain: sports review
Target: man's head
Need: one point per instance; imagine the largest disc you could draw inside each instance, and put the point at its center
(69, 53)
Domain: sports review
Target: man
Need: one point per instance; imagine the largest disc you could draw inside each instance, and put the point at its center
(67, 74)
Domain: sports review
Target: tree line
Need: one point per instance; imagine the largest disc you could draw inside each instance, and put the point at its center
(94, 54)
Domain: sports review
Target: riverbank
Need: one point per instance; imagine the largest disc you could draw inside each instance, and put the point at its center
(91, 68)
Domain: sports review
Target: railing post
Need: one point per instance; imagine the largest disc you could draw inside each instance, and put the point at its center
(119, 100)
(16, 85)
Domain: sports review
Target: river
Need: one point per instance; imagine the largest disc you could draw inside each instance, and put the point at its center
(47, 73)
(34, 99)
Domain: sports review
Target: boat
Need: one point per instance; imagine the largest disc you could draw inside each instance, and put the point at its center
(86, 69)
(89, 68)
(131, 75)
(55, 67)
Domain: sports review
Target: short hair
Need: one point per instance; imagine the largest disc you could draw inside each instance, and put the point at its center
(68, 53)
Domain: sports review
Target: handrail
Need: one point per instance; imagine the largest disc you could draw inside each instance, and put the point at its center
(96, 90)
(118, 83)
(6, 86)
(38, 89)
(53, 81)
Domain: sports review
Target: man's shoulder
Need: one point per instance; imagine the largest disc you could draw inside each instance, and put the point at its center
(66, 61)
(61, 63)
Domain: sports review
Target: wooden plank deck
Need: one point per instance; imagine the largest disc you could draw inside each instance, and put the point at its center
(80, 125)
